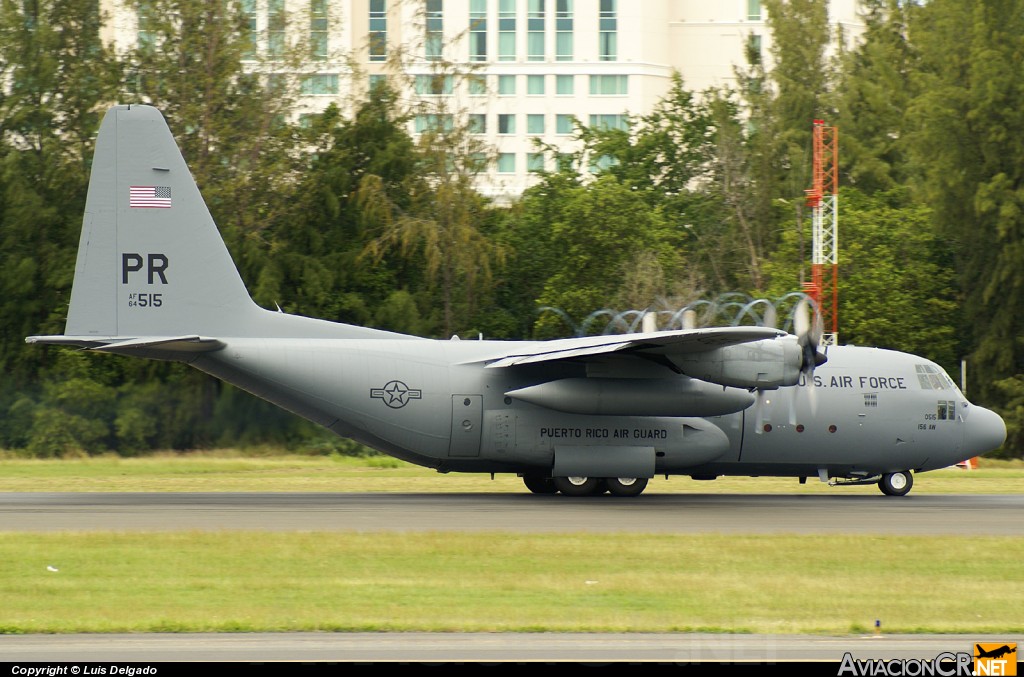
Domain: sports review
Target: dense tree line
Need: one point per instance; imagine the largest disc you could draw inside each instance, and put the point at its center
(349, 218)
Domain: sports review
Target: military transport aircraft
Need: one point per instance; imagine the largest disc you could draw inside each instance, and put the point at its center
(579, 416)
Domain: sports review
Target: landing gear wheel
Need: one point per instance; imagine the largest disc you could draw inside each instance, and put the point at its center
(579, 486)
(896, 483)
(626, 486)
(539, 484)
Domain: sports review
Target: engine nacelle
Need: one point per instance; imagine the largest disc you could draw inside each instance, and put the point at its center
(759, 364)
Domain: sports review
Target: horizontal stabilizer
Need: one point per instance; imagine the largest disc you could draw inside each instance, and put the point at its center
(116, 344)
(181, 344)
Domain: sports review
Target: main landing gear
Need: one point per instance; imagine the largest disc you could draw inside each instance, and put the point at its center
(896, 483)
(585, 486)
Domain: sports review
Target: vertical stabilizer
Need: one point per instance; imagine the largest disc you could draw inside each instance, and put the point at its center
(151, 261)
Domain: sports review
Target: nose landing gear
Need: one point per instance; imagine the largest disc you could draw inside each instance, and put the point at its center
(896, 483)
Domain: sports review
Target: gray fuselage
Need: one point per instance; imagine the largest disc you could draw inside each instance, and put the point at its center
(433, 403)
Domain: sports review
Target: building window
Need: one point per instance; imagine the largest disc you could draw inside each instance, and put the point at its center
(477, 85)
(565, 162)
(534, 84)
(433, 123)
(435, 28)
(251, 35)
(753, 10)
(563, 30)
(506, 30)
(602, 163)
(535, 30)
(535, 123)
(506, 163)
(609, 122)
(378, 30)
(506, 123)
(609, 84)
(608, 27)
(377, 81)
(563, 124)
(477, 162)
(565, 85)
(319, 84)
(506, 85)
(477, 123)
(535, 162)
(275, 27)
(754, 48)
(478, 30)
(318, 30)
(434, 84)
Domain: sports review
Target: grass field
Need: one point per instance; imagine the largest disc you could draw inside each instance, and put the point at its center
(179, 582)
(233, 581)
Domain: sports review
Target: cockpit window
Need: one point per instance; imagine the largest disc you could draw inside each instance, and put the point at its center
(933, 378)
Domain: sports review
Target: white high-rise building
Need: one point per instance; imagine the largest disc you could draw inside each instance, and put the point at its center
(515, 71)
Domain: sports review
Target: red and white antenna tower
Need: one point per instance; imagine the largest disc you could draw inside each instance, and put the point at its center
(823, 199)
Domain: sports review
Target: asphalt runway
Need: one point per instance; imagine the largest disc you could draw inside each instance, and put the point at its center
(997, 515)
(680, 649)
(666, 513)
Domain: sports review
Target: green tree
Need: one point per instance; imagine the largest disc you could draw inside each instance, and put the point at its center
(971, 100)
(601, 230)
(444, 222)
(874, 99)
(316, 268)
(57, 76)
(773, 165)
(896, 284)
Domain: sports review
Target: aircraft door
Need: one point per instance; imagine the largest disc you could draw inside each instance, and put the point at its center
(467, 421)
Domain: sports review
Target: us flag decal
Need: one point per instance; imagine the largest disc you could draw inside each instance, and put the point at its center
(149, 197)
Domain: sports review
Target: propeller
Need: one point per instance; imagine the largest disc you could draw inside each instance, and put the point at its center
(808, 328)
(759, 412)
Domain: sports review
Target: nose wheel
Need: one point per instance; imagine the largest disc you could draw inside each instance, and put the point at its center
(896, 483)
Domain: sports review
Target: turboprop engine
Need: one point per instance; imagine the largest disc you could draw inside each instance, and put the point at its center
(763, 364)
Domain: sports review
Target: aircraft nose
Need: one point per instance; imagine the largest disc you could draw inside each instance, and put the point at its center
(985, 431)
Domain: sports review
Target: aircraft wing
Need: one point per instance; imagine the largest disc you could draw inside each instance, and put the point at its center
(681, 342)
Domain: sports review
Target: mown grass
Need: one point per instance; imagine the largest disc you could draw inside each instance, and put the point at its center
(182, 582)
(233, 471)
